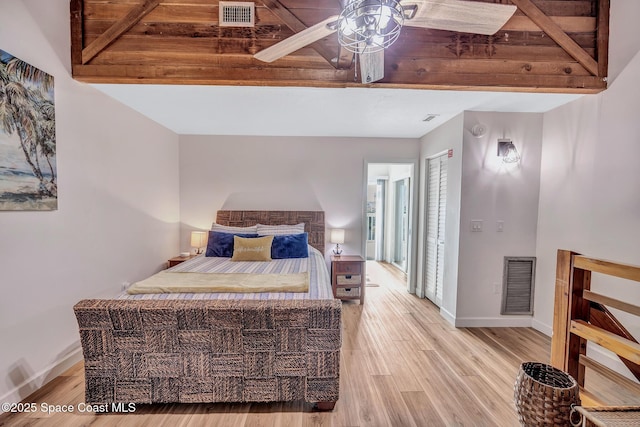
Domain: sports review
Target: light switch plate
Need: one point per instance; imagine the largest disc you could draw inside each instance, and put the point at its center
(476, 225)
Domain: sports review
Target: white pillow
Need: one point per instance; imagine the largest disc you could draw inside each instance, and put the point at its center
(280, 230)
(230, 229)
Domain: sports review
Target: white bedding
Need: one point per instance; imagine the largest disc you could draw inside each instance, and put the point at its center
(319, 280)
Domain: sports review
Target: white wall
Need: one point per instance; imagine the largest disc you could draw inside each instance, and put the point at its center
(117, 217)
(480, 187)
(491, 192)
(445, 137)
(302, 173)
(624, 36)
(590, 192)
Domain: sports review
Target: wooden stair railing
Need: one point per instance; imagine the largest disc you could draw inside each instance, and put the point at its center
(601, 317)
(581, 315)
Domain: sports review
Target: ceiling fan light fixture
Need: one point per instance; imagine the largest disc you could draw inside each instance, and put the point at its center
(370, 25)
(347, 26)
(385, 16)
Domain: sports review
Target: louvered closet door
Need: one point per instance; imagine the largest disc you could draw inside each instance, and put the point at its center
(436, 209)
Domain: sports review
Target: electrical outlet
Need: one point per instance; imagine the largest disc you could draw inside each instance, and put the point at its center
(500, 226)
(125, 285)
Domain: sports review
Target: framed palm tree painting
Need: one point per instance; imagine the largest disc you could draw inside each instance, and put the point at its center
(27, 137)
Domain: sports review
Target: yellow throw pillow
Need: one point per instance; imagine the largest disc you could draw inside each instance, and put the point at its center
(252, 249)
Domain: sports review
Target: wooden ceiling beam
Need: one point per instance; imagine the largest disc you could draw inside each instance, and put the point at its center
(495, 82)
(330, 77)
(486, 66)
(569, 24)
(552, 29)
(76, 9)
(292, 21)
(209, 75)
(118, 28)
(179, 42)
(603, 38)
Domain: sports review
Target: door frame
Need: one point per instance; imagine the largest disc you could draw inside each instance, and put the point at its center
(397, 245)
(412, 245)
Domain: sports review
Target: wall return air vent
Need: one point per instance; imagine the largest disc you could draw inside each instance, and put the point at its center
(517, 286)
(237, 14)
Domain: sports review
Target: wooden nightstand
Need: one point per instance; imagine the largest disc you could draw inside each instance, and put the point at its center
(348, 277)
(178, 259)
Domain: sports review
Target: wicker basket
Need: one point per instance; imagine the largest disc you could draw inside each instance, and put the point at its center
(544, 395)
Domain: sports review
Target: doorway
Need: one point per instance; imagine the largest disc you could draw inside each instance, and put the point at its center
(389, 216)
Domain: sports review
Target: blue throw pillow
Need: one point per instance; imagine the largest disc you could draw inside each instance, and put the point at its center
(290, 246)
(221, 244)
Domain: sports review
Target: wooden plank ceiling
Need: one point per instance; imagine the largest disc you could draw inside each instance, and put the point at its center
(547, 46)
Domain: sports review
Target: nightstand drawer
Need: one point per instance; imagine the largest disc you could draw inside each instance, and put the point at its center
(348, 267)
(348, 292)
(349, 279)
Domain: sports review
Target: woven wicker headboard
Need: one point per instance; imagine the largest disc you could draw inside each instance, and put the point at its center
(313, 222)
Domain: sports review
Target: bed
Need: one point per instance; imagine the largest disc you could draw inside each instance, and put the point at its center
(191, 350)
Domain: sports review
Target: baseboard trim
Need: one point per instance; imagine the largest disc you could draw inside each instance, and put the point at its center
(448, 316)
(542, 327)
(45, 375)
(493, 322)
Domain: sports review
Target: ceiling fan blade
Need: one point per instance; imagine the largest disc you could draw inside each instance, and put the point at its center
(462, 16)
(298, 40)
(371, 66)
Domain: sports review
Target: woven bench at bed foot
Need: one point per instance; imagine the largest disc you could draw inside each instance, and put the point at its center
(161, 351)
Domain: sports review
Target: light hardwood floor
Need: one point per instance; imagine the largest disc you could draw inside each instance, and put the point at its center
(402, 365)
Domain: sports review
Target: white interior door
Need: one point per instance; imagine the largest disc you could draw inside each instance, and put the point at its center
(436, 209)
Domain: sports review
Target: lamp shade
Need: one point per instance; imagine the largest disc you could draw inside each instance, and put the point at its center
(198, 239)
(508, 151)
(511, 155)
(337, 235)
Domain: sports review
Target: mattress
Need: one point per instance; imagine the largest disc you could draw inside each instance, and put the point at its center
(319, 279)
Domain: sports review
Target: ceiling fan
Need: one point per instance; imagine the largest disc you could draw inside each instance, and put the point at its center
(367, 27)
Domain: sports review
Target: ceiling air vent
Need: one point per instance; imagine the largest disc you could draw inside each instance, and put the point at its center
(237, 14)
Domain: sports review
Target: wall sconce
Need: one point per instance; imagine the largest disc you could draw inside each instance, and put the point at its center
(337, 237)
(508, 151)
(198, 240)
